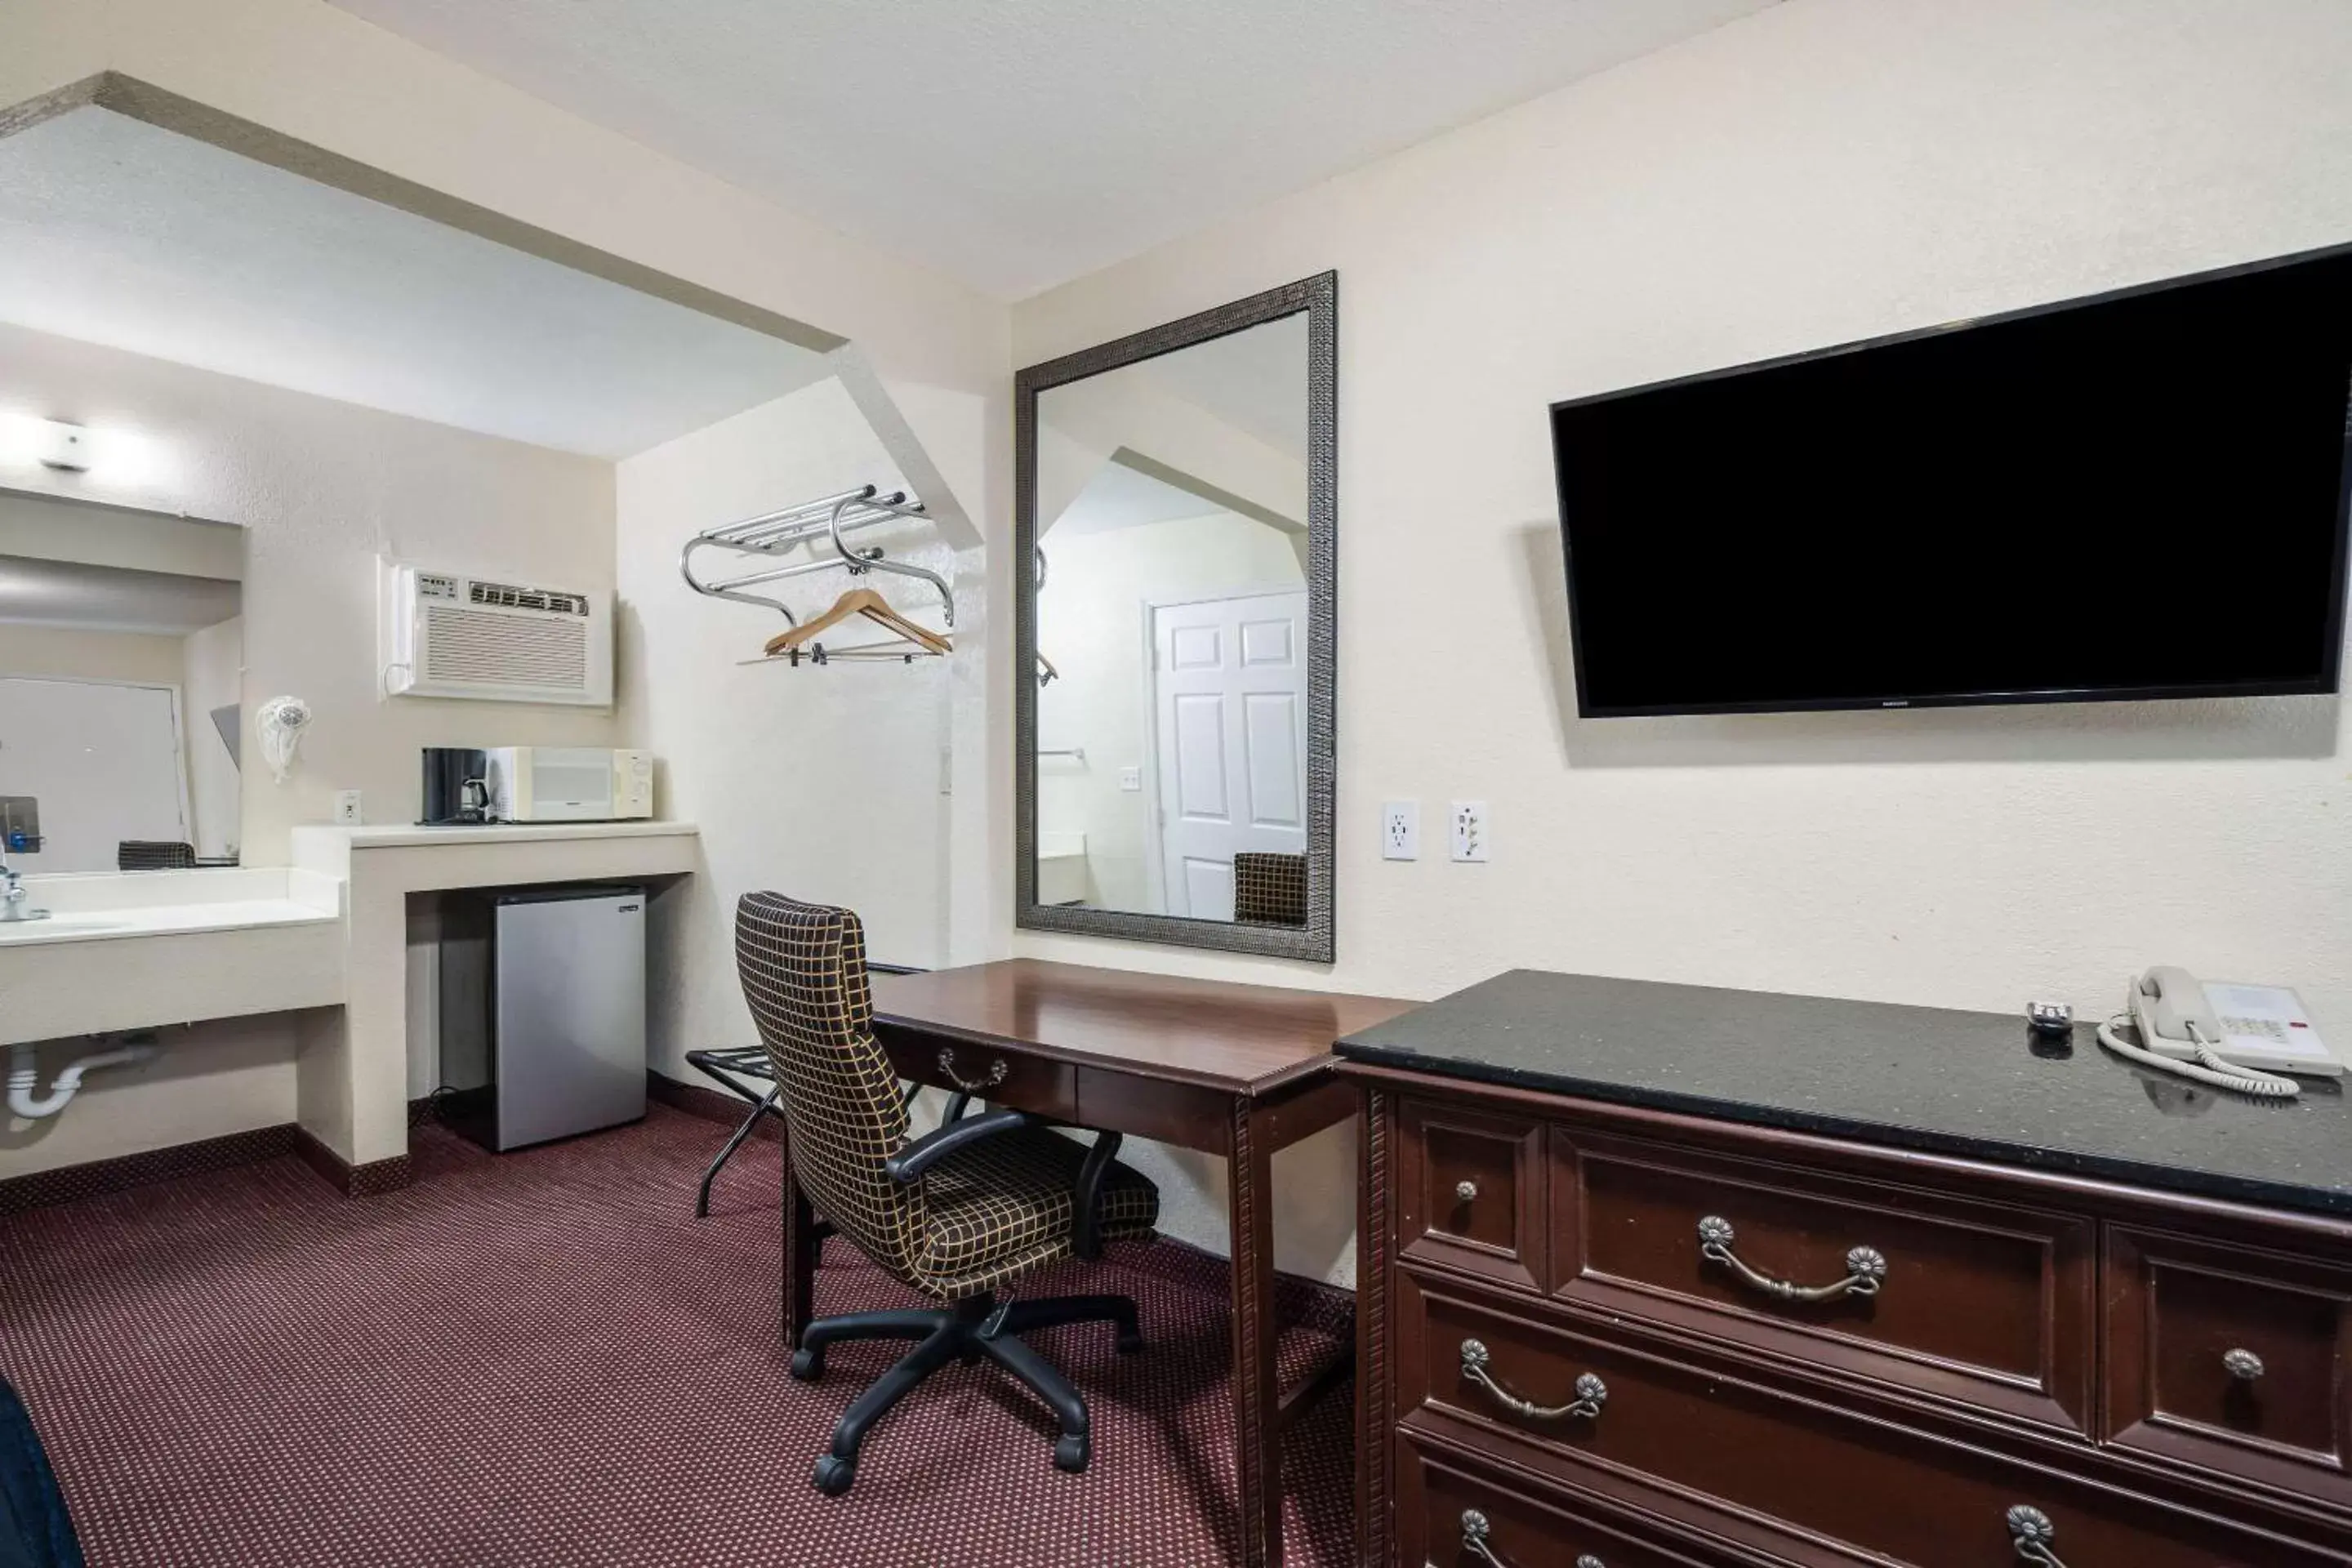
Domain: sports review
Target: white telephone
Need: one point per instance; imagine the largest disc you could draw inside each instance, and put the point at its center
(2241, 1037)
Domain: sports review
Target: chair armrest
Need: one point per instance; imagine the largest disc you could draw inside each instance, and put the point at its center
(1086, 1224)
(906, 1166)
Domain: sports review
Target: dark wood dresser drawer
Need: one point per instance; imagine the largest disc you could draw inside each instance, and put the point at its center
(1471, 1190)
(2230, 1358)
(1638, 1423)
(1023, 1082)
(1975, 1301)
(1449, 1519)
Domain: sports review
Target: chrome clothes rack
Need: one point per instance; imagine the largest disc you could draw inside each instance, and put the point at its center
(818, 524)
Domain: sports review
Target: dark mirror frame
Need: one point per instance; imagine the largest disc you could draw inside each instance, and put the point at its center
(1319, 298)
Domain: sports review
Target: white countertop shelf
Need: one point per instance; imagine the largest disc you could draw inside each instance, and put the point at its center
(402, 835)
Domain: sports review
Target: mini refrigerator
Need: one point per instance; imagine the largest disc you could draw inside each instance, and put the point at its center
(542, 1012)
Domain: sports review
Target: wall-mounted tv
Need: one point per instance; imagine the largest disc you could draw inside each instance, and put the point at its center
(2140, 494)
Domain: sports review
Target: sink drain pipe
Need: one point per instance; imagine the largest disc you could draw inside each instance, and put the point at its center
(25, 1072)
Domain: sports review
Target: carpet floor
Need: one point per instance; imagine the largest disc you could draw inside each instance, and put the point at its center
(544, 1359)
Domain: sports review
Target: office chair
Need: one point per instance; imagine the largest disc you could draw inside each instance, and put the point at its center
(956, 1215)
(154, 855)
(1270, 889)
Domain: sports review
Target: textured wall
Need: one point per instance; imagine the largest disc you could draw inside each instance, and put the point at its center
(322, 489)
(821, 783)
(1823, 172)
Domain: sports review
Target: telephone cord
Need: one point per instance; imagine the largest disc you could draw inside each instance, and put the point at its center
(2206, 1068)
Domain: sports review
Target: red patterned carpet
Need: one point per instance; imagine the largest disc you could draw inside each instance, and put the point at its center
(544, 1359)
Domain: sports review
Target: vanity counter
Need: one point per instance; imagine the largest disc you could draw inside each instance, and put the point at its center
(1977, 1085)
(140, 949)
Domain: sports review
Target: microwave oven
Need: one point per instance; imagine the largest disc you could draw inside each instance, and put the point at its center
(570, 783)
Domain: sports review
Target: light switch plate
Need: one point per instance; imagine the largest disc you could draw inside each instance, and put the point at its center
(1130, 779)
(1468, 819)
(1401, 830)
(347, 807)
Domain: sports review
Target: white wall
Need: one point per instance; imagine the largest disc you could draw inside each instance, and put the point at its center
(308, 71)
(321, 488)
(33, 649)
(825, 784)
(1823, 172)
(1090, 623)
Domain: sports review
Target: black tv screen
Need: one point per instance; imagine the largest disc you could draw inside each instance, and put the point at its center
(2138, 495)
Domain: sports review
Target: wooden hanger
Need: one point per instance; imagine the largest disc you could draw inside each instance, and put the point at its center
(873, 607)
(1046, 671)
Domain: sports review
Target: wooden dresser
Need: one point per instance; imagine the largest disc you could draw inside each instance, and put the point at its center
(1659, 1275)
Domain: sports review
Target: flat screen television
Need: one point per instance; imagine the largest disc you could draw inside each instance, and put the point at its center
(2140, 494)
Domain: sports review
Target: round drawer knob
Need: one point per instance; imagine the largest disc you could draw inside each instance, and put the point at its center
(1465, 1192)
(2244, 1365)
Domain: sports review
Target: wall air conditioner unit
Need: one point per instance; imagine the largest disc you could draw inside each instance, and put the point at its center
(446, 635)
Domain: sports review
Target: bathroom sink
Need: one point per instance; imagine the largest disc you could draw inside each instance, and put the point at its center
(56, 926)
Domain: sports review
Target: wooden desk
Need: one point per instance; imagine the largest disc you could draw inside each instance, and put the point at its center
(1236, 1070)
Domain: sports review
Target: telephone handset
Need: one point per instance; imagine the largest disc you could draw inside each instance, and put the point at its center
(2241, 1037)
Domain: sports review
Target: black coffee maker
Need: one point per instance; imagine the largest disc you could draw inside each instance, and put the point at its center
(457, 786)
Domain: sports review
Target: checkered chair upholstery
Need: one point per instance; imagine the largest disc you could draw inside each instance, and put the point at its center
(154, 855)
(981, 1216)
(1270, 889)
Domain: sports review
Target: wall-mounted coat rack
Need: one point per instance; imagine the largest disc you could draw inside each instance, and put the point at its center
(823, 526)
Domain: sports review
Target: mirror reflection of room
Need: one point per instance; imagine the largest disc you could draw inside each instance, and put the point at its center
(1173, 626)
(121, 658)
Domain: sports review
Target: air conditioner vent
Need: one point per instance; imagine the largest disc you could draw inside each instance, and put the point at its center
(512, 598)
(510, 650)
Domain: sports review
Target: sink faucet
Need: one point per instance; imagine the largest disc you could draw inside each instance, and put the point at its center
(12, 896)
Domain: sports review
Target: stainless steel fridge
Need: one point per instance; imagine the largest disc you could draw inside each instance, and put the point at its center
(542, 1012)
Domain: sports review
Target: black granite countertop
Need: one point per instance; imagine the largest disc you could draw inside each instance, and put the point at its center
(1973, 1084)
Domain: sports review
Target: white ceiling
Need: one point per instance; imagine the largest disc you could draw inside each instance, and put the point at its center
(114, 232)
(1018, 143)
(76, 595)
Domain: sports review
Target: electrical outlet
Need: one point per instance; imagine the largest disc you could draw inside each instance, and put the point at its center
(1401, 830)
(1469, 820)
(1130, 780)
(347, 807)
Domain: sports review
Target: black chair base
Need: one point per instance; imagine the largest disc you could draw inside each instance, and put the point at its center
(971, 1330)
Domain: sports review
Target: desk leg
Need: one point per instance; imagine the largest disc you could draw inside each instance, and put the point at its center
(801, 1239)
(1256, 1399)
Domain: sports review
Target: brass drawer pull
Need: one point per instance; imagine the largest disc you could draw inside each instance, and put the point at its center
(1465, 1192)
(2244, 1365)
(2030, 1533)
(1591, 1393)
(1865, 1266)
(995, 1075)
(1475, 1531)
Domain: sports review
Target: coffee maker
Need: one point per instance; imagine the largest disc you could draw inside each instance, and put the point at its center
(457, 786)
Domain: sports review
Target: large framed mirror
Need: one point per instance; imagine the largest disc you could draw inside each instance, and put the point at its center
(1176, 562)
(121, 674)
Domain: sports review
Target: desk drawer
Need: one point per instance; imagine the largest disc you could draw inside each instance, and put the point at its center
(2230, 1358)
(1471, 1190)
(1023, 1082)
(1980, 1302)
(1637, 1423)
(1445, 1516)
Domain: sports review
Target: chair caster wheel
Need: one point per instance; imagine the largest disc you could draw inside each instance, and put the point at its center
(834, 1477)
(1072, 1451)
(1131, 1341)
(808, 1365)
